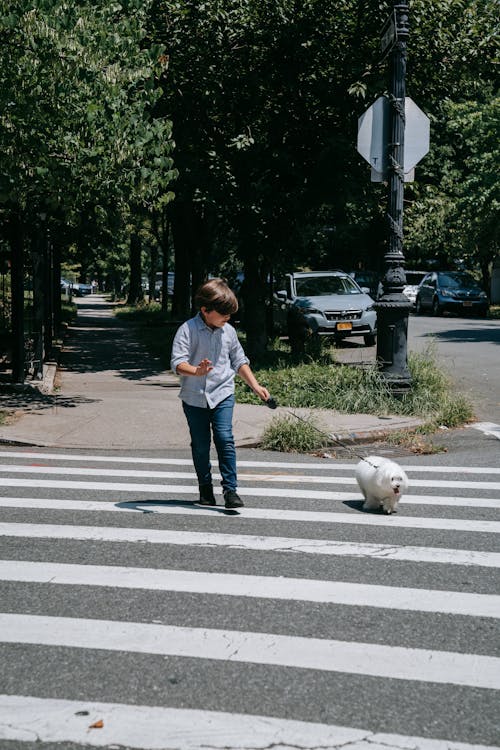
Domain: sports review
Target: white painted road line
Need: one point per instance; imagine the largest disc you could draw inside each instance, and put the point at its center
(392, 662)
(437, 500)
(260, 514)
(326, 465)
(26, 718)
(184, 489)
(259, 587)
(278, 477)
(180, 489)
(248, 542)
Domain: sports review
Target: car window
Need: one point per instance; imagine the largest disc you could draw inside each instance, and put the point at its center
(322, 286)
(456, 280)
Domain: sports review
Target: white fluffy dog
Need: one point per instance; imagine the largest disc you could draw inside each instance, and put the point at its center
(382, 483)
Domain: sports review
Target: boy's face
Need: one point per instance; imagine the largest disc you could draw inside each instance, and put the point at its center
(214, 319)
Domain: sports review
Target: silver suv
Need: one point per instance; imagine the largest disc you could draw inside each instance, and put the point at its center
(324, 303)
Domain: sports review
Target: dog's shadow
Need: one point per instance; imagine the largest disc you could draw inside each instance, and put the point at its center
(358, 505)
(149, 506)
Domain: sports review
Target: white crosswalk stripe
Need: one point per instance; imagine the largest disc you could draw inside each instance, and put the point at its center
(323, 466)
(413, 522)
(261, 587)
(250, 542)
(258, 648)
(156, 728)
(275, 477)
(58, 594)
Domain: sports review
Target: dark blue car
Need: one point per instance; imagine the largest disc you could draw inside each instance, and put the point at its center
(451, 291)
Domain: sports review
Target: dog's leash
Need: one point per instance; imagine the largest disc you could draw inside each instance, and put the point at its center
(271, 403)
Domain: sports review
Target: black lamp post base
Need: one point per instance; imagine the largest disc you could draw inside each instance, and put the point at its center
(392, 336)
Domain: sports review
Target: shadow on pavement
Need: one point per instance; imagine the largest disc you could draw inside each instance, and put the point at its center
(148, 506)
(99, 341)
(465, 335)
(33, 400)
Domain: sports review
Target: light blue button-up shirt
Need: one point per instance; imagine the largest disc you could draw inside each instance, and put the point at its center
(195, 341)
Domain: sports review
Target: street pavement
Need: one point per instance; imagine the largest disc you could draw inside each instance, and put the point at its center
(134, 618)
(131, 617)
(107, 392)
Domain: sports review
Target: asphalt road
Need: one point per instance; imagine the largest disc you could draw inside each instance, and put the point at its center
(469, 348)
(87, 637)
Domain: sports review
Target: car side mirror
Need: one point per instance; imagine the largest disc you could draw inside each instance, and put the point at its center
(365, 290)
(281, 295)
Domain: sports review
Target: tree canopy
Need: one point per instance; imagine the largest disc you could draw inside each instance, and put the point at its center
(262, 99)
(78, 87)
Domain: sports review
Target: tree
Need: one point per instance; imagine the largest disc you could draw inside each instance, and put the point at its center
(265, 98)
(458, 217)
(78, 132)
(80, 140)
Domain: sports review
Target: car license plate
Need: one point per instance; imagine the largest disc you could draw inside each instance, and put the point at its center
(344, 326)
(467, 304)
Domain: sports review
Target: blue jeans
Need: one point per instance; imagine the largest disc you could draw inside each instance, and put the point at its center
(220, 420)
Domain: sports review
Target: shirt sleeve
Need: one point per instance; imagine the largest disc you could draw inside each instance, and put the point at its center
(181, 347)
(237, 356)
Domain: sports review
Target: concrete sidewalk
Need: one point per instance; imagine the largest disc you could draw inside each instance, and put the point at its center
(107, 392)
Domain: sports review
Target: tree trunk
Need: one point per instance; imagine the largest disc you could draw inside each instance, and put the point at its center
(181, 302)
(56, 290)
(152, 273)
(162, 234)
(135, 288)
(17, 268)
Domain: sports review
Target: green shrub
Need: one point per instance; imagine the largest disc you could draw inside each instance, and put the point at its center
(289, 435)
(354, 389)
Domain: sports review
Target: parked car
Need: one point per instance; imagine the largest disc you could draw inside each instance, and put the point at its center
(159, 284)
(451, 291)
(413, 279)
(81, 290)
(323, 303)
(369, 279)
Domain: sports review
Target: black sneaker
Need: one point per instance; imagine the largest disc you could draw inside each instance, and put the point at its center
(232, 499)
(207, 495)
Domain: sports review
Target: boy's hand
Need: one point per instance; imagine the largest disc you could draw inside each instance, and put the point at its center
(262, 393)
(204, 367)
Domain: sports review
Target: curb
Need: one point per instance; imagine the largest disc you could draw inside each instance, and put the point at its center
(348, 439)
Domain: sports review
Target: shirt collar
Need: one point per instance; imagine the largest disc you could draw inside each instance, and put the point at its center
(203, 326)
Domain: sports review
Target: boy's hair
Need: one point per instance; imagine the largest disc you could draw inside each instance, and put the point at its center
(216, 295)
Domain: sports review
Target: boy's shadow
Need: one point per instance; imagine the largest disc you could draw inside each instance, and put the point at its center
(148, 506)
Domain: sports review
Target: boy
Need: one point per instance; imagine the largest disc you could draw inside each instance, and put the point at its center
(206, 354)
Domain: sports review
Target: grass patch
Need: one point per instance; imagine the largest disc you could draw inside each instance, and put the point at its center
(359, 390)
(363, 389)
(68, 313)
(286, 434)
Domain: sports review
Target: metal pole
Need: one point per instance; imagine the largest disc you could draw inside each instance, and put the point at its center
(393, 307)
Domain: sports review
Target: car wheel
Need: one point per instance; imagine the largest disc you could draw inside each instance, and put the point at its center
(436, 307)
(418, 307)
(370, 339)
